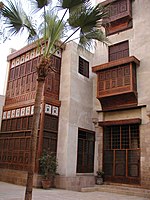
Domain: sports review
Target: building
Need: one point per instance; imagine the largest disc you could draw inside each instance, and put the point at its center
(122, 88)
(94, 110)
(2, 99)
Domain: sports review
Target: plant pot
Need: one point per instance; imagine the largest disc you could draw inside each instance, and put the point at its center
(99, 180)
(46, 184)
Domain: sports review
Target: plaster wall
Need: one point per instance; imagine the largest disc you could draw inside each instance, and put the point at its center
(76, 96)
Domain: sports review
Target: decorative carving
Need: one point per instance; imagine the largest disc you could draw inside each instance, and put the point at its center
(120, 16)
(15, 152)
(116, 87)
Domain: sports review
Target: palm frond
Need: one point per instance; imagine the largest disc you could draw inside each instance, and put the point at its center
(13, 16)
(87, 18)
(52, 32)
(86, 40)
(16, 19)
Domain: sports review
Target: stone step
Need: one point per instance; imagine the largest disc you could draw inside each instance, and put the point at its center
(119, 189)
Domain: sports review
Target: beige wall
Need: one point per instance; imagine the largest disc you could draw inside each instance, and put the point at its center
(76, 95)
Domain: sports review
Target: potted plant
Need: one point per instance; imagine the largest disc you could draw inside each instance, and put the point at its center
(99, 177)
(48, 168)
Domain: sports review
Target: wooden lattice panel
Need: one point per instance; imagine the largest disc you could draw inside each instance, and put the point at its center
(15, 152)
(120, 15)
(116, 83)
(116, 80)
(23, 79)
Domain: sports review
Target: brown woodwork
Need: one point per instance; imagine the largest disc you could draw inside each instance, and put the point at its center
(120, 15)
(85, 154)
(83, 67)
(116, 83)
(15, 136)
(122, 153)
(120, 122)
(15, 152)
(119, 50)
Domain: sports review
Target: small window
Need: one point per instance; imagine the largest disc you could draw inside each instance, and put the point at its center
(83, 67)
(85, 154)
(119, 50)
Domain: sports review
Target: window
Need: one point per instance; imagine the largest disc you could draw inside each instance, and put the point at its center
(85, 154)
(119, 50)
(121, 137)
(83, 67)
(122, 153)
(120, 15)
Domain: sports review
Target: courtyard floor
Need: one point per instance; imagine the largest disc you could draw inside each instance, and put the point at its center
(15, 192)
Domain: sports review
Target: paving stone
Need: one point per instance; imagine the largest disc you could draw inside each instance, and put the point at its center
(16, 192)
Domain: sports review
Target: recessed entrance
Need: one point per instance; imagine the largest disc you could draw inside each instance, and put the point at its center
(122, 154)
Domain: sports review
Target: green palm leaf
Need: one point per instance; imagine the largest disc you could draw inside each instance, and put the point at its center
(52, 31)
(17, 19)
(86, 40)
(87, 18)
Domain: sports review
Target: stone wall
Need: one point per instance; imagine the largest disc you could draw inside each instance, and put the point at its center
(145, 155)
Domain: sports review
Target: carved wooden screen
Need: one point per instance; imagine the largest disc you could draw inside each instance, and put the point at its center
(119, 9)
(22, 82)
(114, 80)
(50, 133)
(85, 154)
(53, 79)
(122, 153)
(15, 124)
(120, 15)
(15, 139)
(118, 51)
(15, 152)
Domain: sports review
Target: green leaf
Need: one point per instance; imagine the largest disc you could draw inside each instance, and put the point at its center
(87, 18)
(17, 19)
(86, 40)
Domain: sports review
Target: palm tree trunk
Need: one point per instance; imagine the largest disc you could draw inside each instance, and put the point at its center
(34, 134)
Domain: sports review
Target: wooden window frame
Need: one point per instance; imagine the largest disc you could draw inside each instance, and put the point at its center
(83, 67)
(120, 48)
(86, 138)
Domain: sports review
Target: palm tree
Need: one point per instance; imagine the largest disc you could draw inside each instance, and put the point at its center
(82, 18)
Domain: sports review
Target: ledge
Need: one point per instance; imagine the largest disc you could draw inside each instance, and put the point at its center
(120, 122)
(115, 63)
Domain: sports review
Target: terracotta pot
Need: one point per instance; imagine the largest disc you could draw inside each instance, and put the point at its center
(46, 184)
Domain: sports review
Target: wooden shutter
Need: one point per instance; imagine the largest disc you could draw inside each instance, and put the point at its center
(118, 51)
(83, 67)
